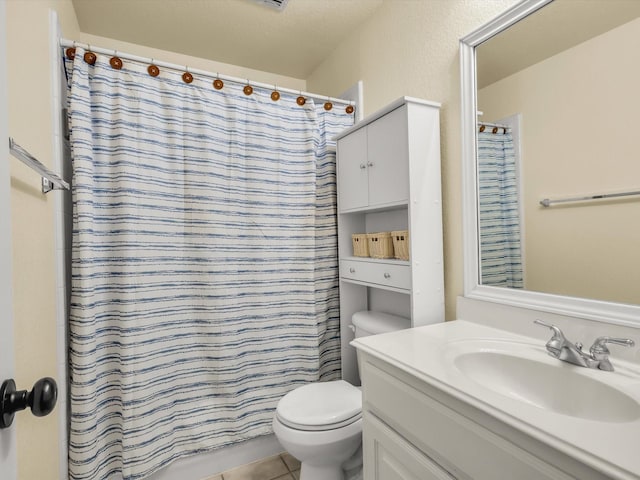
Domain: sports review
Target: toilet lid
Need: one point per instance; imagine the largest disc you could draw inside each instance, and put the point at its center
(321, 406)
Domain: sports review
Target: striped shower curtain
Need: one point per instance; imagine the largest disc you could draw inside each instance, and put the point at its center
(499, 211)
(204, 264)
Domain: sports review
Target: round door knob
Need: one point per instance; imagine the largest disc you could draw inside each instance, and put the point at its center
(41, 399)
(352, 270)
(370, 164)
(387, 275)
(362, 166)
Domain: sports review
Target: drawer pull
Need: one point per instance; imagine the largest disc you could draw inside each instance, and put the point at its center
(352, 270)
(362, 166)
(387, 275)
(370, 164)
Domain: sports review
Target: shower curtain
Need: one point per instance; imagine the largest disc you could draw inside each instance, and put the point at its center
(499, 211)
(204, 263)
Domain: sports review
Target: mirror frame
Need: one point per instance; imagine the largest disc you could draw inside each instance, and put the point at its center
(598, 310)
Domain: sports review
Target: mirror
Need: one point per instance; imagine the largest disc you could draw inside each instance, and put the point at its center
(551, 167)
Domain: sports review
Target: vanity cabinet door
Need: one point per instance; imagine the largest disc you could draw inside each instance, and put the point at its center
(353, 186)
(388, 457)
(462, 446)
(388, 158)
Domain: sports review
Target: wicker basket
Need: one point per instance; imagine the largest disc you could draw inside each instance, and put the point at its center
(401, 244)
(380, 245)
(360, 245)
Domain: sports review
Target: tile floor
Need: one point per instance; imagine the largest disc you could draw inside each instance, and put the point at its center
(278, 467)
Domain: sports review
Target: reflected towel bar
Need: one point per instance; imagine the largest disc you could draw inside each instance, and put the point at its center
(547, 202)
(50, 181)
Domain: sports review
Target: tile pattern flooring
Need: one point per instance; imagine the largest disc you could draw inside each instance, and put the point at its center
(278, 467)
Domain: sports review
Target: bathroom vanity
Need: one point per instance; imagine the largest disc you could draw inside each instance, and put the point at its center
(461, 400)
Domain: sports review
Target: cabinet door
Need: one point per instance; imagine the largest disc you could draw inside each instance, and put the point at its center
(388, 158)
(387, 456)
(352, 171)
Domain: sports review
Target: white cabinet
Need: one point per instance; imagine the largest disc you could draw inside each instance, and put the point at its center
(410, 425)
(373, 165)
(353, 189)
(388, 178)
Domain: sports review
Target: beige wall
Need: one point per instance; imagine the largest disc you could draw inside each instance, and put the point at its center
(32, 223)
(410, 47)
(579, 136)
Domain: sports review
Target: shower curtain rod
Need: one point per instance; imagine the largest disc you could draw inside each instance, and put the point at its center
(65, 43)
(496, 127)
(487, 124)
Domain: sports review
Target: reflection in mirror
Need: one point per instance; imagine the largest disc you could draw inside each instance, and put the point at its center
(559, 93)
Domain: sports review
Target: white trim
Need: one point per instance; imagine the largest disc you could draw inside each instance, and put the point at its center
(57, 149)
(8, 443)
(355, 93)
(609, 312)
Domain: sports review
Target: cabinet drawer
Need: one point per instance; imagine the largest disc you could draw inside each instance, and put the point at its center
(464, 448)
(385, 274)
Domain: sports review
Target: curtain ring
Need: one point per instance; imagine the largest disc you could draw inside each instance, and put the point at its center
(275, 95)
(186, 76)
(217, 83)
(505, 130)
(153, 70)
(115, 61)
(301, 100)
(328, 105)
(89, 56)
(248, 89)
(494, 130)
(349, 109)
(71, 52)
(482, 127)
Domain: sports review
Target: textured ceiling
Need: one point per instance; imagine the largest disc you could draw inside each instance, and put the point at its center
(239, 32)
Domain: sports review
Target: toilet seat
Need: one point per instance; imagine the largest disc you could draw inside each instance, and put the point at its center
(321, 406)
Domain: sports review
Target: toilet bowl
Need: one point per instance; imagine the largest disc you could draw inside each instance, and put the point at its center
(321, 423)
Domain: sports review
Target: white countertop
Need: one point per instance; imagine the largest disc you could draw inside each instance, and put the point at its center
(427, 353)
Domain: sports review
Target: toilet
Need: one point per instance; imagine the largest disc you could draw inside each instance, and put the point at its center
(321, 423)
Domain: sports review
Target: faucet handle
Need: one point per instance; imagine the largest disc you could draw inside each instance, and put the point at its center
(557, 341)
(599, 348)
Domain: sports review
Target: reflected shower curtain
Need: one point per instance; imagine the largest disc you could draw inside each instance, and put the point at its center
(499, 212)
(204, 264)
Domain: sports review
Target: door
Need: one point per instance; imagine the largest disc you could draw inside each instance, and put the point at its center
(7, 435)
(388, 159)
(353, 184)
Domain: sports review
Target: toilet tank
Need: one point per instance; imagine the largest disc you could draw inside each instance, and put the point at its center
(368, 322)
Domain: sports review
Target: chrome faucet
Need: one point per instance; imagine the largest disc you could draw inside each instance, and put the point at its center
(598, 357)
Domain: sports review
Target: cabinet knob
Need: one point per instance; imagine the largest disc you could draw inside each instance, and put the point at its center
(370, 164)
(362, 166)
(352, 270)
(387, 275)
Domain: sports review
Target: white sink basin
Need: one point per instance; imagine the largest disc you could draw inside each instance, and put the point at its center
(530, 376)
